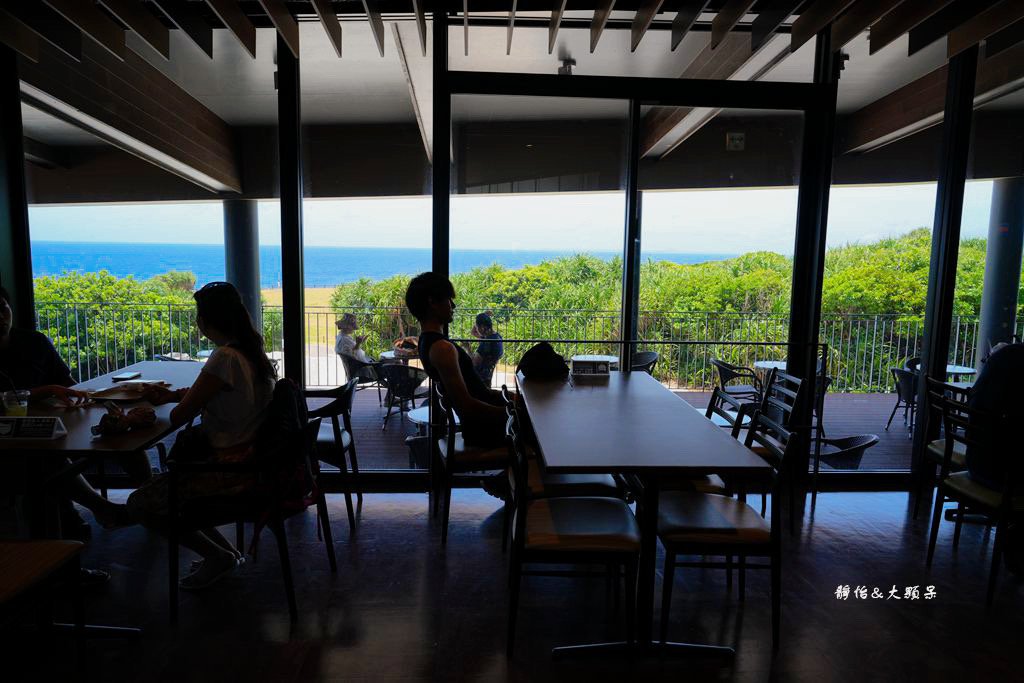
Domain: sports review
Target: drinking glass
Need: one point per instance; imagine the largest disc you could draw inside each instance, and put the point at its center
(16, 402)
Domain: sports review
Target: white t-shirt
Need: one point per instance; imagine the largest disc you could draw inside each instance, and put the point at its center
(235, 413)
(345, 345)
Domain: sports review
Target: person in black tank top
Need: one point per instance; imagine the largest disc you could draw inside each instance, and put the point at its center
(431, 299)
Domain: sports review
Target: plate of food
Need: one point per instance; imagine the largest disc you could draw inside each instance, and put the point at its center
(406, 347)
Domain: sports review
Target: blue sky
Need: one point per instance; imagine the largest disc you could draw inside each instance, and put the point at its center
(701, 221)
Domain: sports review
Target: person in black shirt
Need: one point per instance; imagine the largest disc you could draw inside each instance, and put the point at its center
(29, 361)
(431, 299)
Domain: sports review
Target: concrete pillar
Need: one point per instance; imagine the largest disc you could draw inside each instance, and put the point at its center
(1002, 264)
(242, 253)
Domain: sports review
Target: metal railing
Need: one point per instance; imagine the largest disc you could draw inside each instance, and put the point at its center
(96, 338)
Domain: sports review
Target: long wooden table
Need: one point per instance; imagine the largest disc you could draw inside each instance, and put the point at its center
(631, 424)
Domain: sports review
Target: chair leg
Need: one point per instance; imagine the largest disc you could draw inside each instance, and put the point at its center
(892, 414)
(743, 577)
(240, 536)
(506, 515)
(728, 573)
(101, 472)
(325, 527)
(355, 473)
(515, 578)
(380, 401)
(277, 527)
(384, 426)
(446, 509)
(666, 592)
(958, 525)
(997, 556)
(936, 520)
(172, 574)
(776, 598)
(631, 573)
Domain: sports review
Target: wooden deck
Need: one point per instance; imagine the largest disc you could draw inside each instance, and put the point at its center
(845, 415)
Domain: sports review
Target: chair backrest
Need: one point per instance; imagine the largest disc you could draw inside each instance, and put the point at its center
(984, 436)
(402, 380)
(726, 371)
(645, 361)
(451, 425)
(906, 383)
(357, 369)
(517, 451)
(729, 408)
(912, 364)
(780, 397)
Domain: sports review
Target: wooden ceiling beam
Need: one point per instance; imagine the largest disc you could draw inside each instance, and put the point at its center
(232, 16)
(184, 15)
(600, 20)
(919, 104)
(983, 25)
(556, 21)
(48, 25)
(904, 17)
(727, 18)
(284, 22)
(1005, 39)
(142, 22)
(372, 9)
(18, 36)
(421, 23)
(939, 24)
(685, 18)
(511, 27)
(642, 21)
(420, 101)
(329, 20)
(92, 22)
(814, 18)
(770, 16)
(857, 18)
(44, 155)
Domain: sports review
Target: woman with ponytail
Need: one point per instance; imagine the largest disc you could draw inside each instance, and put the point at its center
(231, 397)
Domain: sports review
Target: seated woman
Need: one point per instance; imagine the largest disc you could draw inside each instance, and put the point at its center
(347, 345)
(231, 395)
(431, 299)
(29, 361)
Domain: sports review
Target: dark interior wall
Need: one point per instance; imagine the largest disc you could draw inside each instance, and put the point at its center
(389, 160)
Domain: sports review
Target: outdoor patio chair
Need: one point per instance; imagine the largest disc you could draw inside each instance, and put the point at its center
(750, 386)
(587, 530)
(645, 361)
(691, 523)
(335, 440)
(942, 396)
(912, 364)
(404, 386)
(984, 431)
(844, 453)
(366, 374)
(906, 396)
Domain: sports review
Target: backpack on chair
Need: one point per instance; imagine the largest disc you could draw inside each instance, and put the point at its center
(542, 362)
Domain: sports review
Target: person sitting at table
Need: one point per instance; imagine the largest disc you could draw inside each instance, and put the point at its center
(28, 361)
(232, 394)
(489, 351)
(431, 299)
(997, 391)
(347, 345)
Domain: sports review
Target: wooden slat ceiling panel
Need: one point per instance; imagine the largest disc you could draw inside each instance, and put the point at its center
(942, 22)
(727, 17)
(907, 15)
(601, 14)
(283, 21)
(685, 18)
(642, 21)
(862, 14)
(237, 22)
(183, 15)
(92, 22)
(18, 36)
(770, 16)
(329, 20)
(815, 17)
(142, 22)
(372, 9)
(556, 21)
(48, 25)
(983, 25)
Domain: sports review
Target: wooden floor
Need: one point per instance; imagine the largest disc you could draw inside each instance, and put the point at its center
(845, 415)
(402, 609)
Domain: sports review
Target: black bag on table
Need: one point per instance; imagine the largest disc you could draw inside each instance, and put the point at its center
(542, 362)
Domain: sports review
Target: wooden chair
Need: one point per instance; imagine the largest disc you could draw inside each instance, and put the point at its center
(285, 487)
(692, 523)
(455, 457)
(29, 573)
(935, 451)
(335, 440)
(645, 361)
(750, 387)
(586, 530)
(978, 431)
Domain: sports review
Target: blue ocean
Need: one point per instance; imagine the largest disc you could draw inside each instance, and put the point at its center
(324, 266)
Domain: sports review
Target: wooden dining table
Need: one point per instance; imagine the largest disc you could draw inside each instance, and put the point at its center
(633, 425)
(44, 457)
